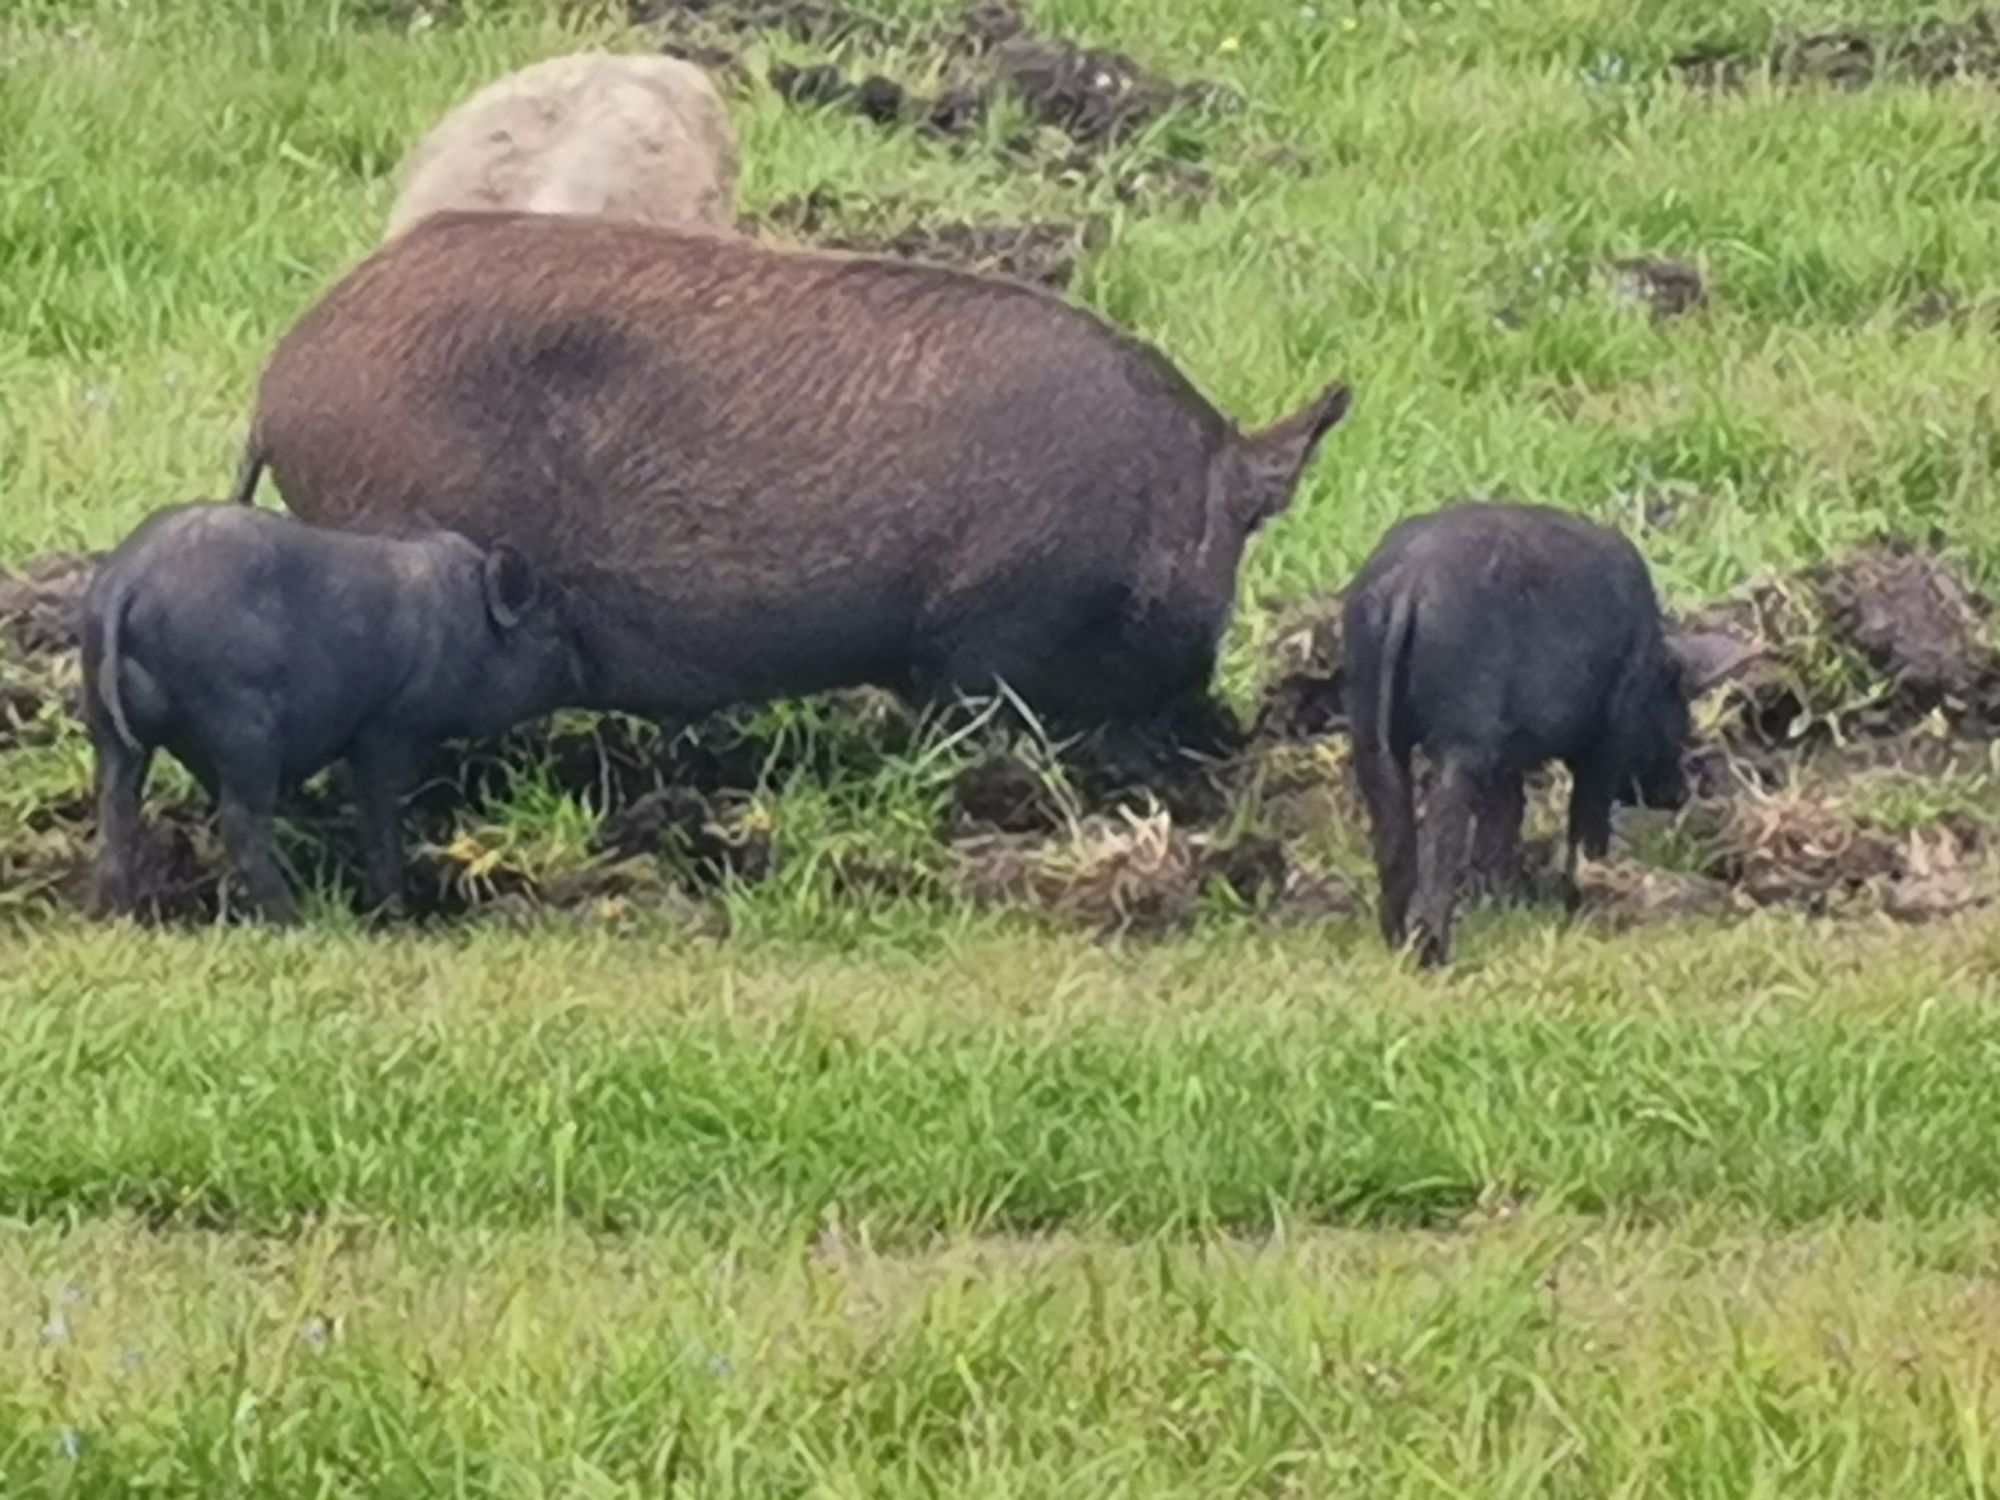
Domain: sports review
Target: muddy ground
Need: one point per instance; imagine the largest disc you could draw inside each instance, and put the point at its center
(1089, 118)
(1046, 253)
(1933, 50)
(1096, 98)
(1849, 773)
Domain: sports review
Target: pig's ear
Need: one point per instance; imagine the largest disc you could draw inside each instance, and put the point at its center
(1277, 455)
(1708, 658)
(511, 586)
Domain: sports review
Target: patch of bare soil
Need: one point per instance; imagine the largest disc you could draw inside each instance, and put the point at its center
(657, 848)
(22, 705)
(1142, 875)
(1882, 657)
(1092, 100)
(715, 21)
(951, 113)
(1188, 762)
(1933, 307)
(1811, 854)
(1099, 98)
(1302, 699)
(1890, 644)
(1046, 253)
(1625, 894)
(38, 642)
(1932, 51)
(49, 858)
(39, 605)
(1671, 288)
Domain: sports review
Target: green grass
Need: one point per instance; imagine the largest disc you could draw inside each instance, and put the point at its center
(553, 1215)
(1535, 1355)
(554, 1077)
(885, 1197)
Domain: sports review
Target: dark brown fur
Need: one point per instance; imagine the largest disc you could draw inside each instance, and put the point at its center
(761, 472)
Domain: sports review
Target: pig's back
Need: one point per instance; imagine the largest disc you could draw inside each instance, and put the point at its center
(225, 609)
(646, 389)
(784, 464)
(1522, 621)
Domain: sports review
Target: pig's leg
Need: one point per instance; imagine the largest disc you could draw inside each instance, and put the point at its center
(1497, 865)
(247, 791)
(121, 785)
(1442, 846)
(383, 768)
(1392, 826)
(1590, 799)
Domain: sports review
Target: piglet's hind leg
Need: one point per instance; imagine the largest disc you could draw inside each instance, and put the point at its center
(247, 791)
(383, 769)
(121, 785)
(1443, 844)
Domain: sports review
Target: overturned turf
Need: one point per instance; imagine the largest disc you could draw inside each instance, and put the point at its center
(1144, 875)
(39, 605)
(1881, 657)
(1887, 649)
(1046, 253)
(1092, 111)
(1933, 50)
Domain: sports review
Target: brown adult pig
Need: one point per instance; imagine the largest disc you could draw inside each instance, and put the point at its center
(758, 472)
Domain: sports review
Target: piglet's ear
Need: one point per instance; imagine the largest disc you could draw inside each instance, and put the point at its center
(511, 586)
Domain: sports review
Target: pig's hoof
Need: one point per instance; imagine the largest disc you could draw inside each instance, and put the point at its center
(1430, 950)
(110, 905)
(277, 914)
(387, 913)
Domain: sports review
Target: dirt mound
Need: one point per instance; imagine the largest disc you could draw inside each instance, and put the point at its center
(712, 23)
(1670, 288)
(1809, 853)
(710, 837)
(1875, 645)
(1134, 828)
(1623, 894)
(1188, 763)
(1097, 97)
(39, 605)
(1124, 875)
(22, 706)
(464, 861)
(1302, 698)
(49, 858)
(1918, 621)
(1046, 253)
(1934, 50)
(1094, 102)
(1188, 760)
(1004, 792)
(1142, 874)
(953, 112)
(40, 610)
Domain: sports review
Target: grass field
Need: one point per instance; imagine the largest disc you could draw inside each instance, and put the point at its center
(899, 1198)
